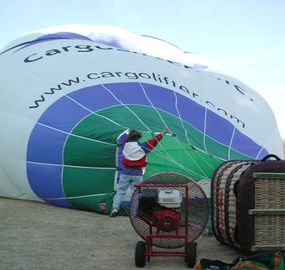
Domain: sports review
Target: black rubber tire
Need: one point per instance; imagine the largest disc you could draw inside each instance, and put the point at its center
(140, 254)
(191, 255)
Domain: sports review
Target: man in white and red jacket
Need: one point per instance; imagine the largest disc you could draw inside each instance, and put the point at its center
(134, 160)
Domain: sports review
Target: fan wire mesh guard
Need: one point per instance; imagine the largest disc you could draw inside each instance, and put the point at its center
(197, 210)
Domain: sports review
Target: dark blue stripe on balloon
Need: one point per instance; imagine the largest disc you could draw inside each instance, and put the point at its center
(62, 35)
(219, 128)
(155, 93)
(110, 41)
(46, 145)
(191, 112)
(128, 93)
(94, 98)
(64, 114)
(244, 144)
(50, 37)
(262, 154)
(45, 181)
(56, 36)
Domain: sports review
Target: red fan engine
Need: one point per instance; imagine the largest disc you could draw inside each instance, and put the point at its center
(161, 208)
(166, 220)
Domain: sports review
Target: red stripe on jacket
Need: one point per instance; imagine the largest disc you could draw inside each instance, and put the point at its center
(147, 147)
(152, 143)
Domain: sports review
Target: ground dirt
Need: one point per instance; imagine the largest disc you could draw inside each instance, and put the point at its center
(35, 235)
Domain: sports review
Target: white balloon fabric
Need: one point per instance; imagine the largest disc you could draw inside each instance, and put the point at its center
(69, 93)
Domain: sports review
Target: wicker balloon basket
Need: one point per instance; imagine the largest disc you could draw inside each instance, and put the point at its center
(248, 204)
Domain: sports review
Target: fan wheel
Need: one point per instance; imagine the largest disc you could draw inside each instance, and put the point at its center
(191, 254)
(140, 254)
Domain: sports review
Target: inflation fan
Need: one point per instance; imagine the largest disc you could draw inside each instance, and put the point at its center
(168, 211)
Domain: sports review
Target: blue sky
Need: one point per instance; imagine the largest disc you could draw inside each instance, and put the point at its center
(244, 38)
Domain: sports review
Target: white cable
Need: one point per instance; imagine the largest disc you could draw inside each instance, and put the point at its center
(126, 107)
(231, 141)
(205, 129)
(72, 166)
(77, 197)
